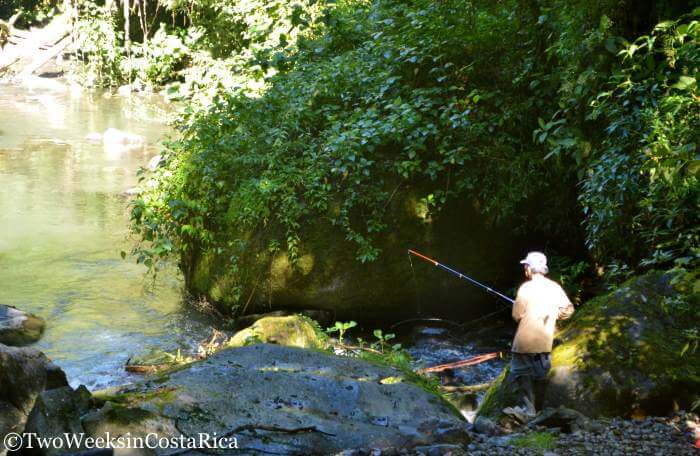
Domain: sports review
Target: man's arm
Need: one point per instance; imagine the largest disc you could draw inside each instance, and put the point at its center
(519, 306)
(566, 308)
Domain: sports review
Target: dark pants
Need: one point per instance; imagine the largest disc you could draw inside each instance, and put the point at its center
(529, 371)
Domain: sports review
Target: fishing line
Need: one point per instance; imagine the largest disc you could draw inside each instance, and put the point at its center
(470, 323)
(461, 276)
(415, 285)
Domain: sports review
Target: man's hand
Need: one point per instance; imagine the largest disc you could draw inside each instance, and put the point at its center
(566, 311)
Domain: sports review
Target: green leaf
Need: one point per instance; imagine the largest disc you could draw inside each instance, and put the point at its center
(694, 167)
(662, 26)
(684, 83)
(611, 45)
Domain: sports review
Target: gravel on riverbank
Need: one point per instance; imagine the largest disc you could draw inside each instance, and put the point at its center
(673, 435)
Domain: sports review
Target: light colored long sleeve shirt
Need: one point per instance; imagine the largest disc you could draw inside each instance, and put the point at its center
(540, 302)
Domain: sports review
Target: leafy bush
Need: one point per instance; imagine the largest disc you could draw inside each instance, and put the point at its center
(33, 11)
(641, 193)
(165, 56)
(525, 110)
(100, 47)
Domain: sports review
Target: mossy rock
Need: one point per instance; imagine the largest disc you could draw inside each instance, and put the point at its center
(291, 331)
(624, 353)
(19, 328)
(327, 275)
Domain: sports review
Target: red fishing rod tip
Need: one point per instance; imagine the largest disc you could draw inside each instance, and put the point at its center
(420, 255)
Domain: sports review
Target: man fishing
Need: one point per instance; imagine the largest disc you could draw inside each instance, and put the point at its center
(539, 303)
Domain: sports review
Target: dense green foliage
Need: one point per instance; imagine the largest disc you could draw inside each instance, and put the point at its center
(542, 112)
(569, 120)
(31, 11)
(191, 49)
(642, 182)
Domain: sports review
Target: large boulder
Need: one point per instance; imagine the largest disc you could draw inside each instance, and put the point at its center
(282, 400)
(292, 331)
(627, 353)
(58, 412)
(328, 276)
(24, 374)
(18, 327)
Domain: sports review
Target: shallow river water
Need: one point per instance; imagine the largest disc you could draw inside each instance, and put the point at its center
(64, 222)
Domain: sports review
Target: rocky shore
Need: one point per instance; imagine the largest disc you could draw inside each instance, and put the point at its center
(673, 435)
(279, 389)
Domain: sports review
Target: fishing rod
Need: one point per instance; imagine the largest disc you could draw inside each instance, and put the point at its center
(461, 276)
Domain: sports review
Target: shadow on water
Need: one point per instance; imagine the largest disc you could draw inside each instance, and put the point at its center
(63, 224)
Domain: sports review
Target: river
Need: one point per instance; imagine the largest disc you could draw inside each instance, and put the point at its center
(64, 222)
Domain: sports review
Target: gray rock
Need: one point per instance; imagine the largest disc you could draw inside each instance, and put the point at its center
(19, 328)
(441, 450)
(154, 162)
(57, 412)
(118, 137)
(327, 275)
(484, 425)
(566, 419)
(24, 374)
(283, 400)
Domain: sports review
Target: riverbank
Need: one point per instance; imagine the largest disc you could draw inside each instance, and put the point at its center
(301, 401)
(674, 435)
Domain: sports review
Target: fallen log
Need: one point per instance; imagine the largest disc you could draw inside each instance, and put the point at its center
(45, 57)
(145, 368)
(462, 363)
(6, 66)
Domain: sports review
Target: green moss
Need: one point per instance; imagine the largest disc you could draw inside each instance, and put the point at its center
(131, 398)
(122, 414)
(634, 328)
(201, 273)
(320, 333)
(497, 396)
(566, 355)
(538, 441)
(292, 331)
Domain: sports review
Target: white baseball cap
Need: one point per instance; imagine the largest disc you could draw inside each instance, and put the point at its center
(536, 260)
